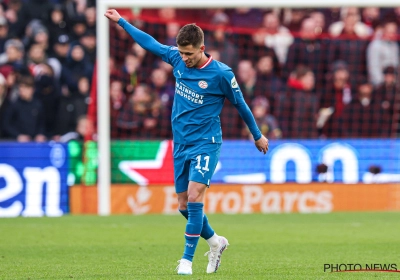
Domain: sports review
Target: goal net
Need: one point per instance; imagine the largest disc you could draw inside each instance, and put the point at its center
(322, 83)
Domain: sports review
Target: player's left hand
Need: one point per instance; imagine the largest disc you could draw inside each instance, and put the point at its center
(262, 144)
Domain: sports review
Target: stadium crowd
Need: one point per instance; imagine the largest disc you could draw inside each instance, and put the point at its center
(305, 73)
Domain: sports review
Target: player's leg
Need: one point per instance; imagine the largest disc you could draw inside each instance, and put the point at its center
(195, 197)
(194, 225)
(207, 231)
(202, 169)
(181, 176)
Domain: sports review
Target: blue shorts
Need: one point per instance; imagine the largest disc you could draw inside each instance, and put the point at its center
(194, 163)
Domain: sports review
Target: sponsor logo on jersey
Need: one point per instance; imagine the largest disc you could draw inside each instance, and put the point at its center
(234, 84)
(203, 84)
(188, 93)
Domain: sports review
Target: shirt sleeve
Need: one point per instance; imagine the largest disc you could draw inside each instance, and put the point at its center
(167, 53)
(232, 91)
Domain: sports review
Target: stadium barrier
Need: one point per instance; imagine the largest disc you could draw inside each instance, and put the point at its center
(242, 199)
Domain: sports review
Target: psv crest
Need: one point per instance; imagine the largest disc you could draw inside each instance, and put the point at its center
(203, 84)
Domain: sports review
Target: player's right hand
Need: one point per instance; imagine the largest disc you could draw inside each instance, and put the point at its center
(262, 144)
(113, 15)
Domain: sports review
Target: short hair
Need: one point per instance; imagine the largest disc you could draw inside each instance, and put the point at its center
(301, 71)
(190, 34)
(26, 80)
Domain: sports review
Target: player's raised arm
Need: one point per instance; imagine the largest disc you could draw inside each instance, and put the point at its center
(142, 38)
(234, 94)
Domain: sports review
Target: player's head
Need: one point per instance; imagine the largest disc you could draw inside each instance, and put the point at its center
(190, 41)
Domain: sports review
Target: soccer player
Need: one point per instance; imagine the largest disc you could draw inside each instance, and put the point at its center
(202, 84)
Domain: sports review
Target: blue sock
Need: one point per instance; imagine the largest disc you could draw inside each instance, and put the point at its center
(207, 231)
(193, 229)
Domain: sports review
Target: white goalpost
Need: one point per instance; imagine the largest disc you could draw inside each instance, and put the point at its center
(103, 55)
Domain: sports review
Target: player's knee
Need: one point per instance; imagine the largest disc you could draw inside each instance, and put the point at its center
(194, 197)
(182, 202)
(182, 207)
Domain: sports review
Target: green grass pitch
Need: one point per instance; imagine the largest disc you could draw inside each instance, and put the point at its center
(284, 246)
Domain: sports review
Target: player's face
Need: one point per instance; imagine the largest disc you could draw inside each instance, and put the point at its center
(191, 55)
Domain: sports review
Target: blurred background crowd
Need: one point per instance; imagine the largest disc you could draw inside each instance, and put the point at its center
(305, 73)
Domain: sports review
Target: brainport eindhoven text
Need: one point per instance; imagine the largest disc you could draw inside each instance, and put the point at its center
(188, 93)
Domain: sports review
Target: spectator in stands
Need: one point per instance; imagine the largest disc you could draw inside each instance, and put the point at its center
(337, 94)
(3, 32)
(167, 68)
(47, 91)
(66, 114)
(24, 120)
(90, 18)
(364, 117)
(83, 128)
(394, 15)
(266, 122)
(294, 19)
(297, 110)
(77, 66)
(247, 78)
(61, 48)
(351, 48)
(350, 14)
(382, 52)
(319, 18)
(172, 29)
(310, 51)
(214, 53)
(117, 101)
(386, 91)
(161, 86)
(267, 83)
(120, 41)
(331, 15)
(146, 61)
(219, 40)
(370, 16)
(130, 71)
(79, 28)
(4, 102)
(37, 57)
(33, 9)
(158, 29)
(75, 8)
(13, 55)
(11, 14)
(231, 123)
(82, 96)
(139, 117)
(217, 16)
(277, 36)
(88, 42)
(139, 52)
(246, 18)
(57, 25)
